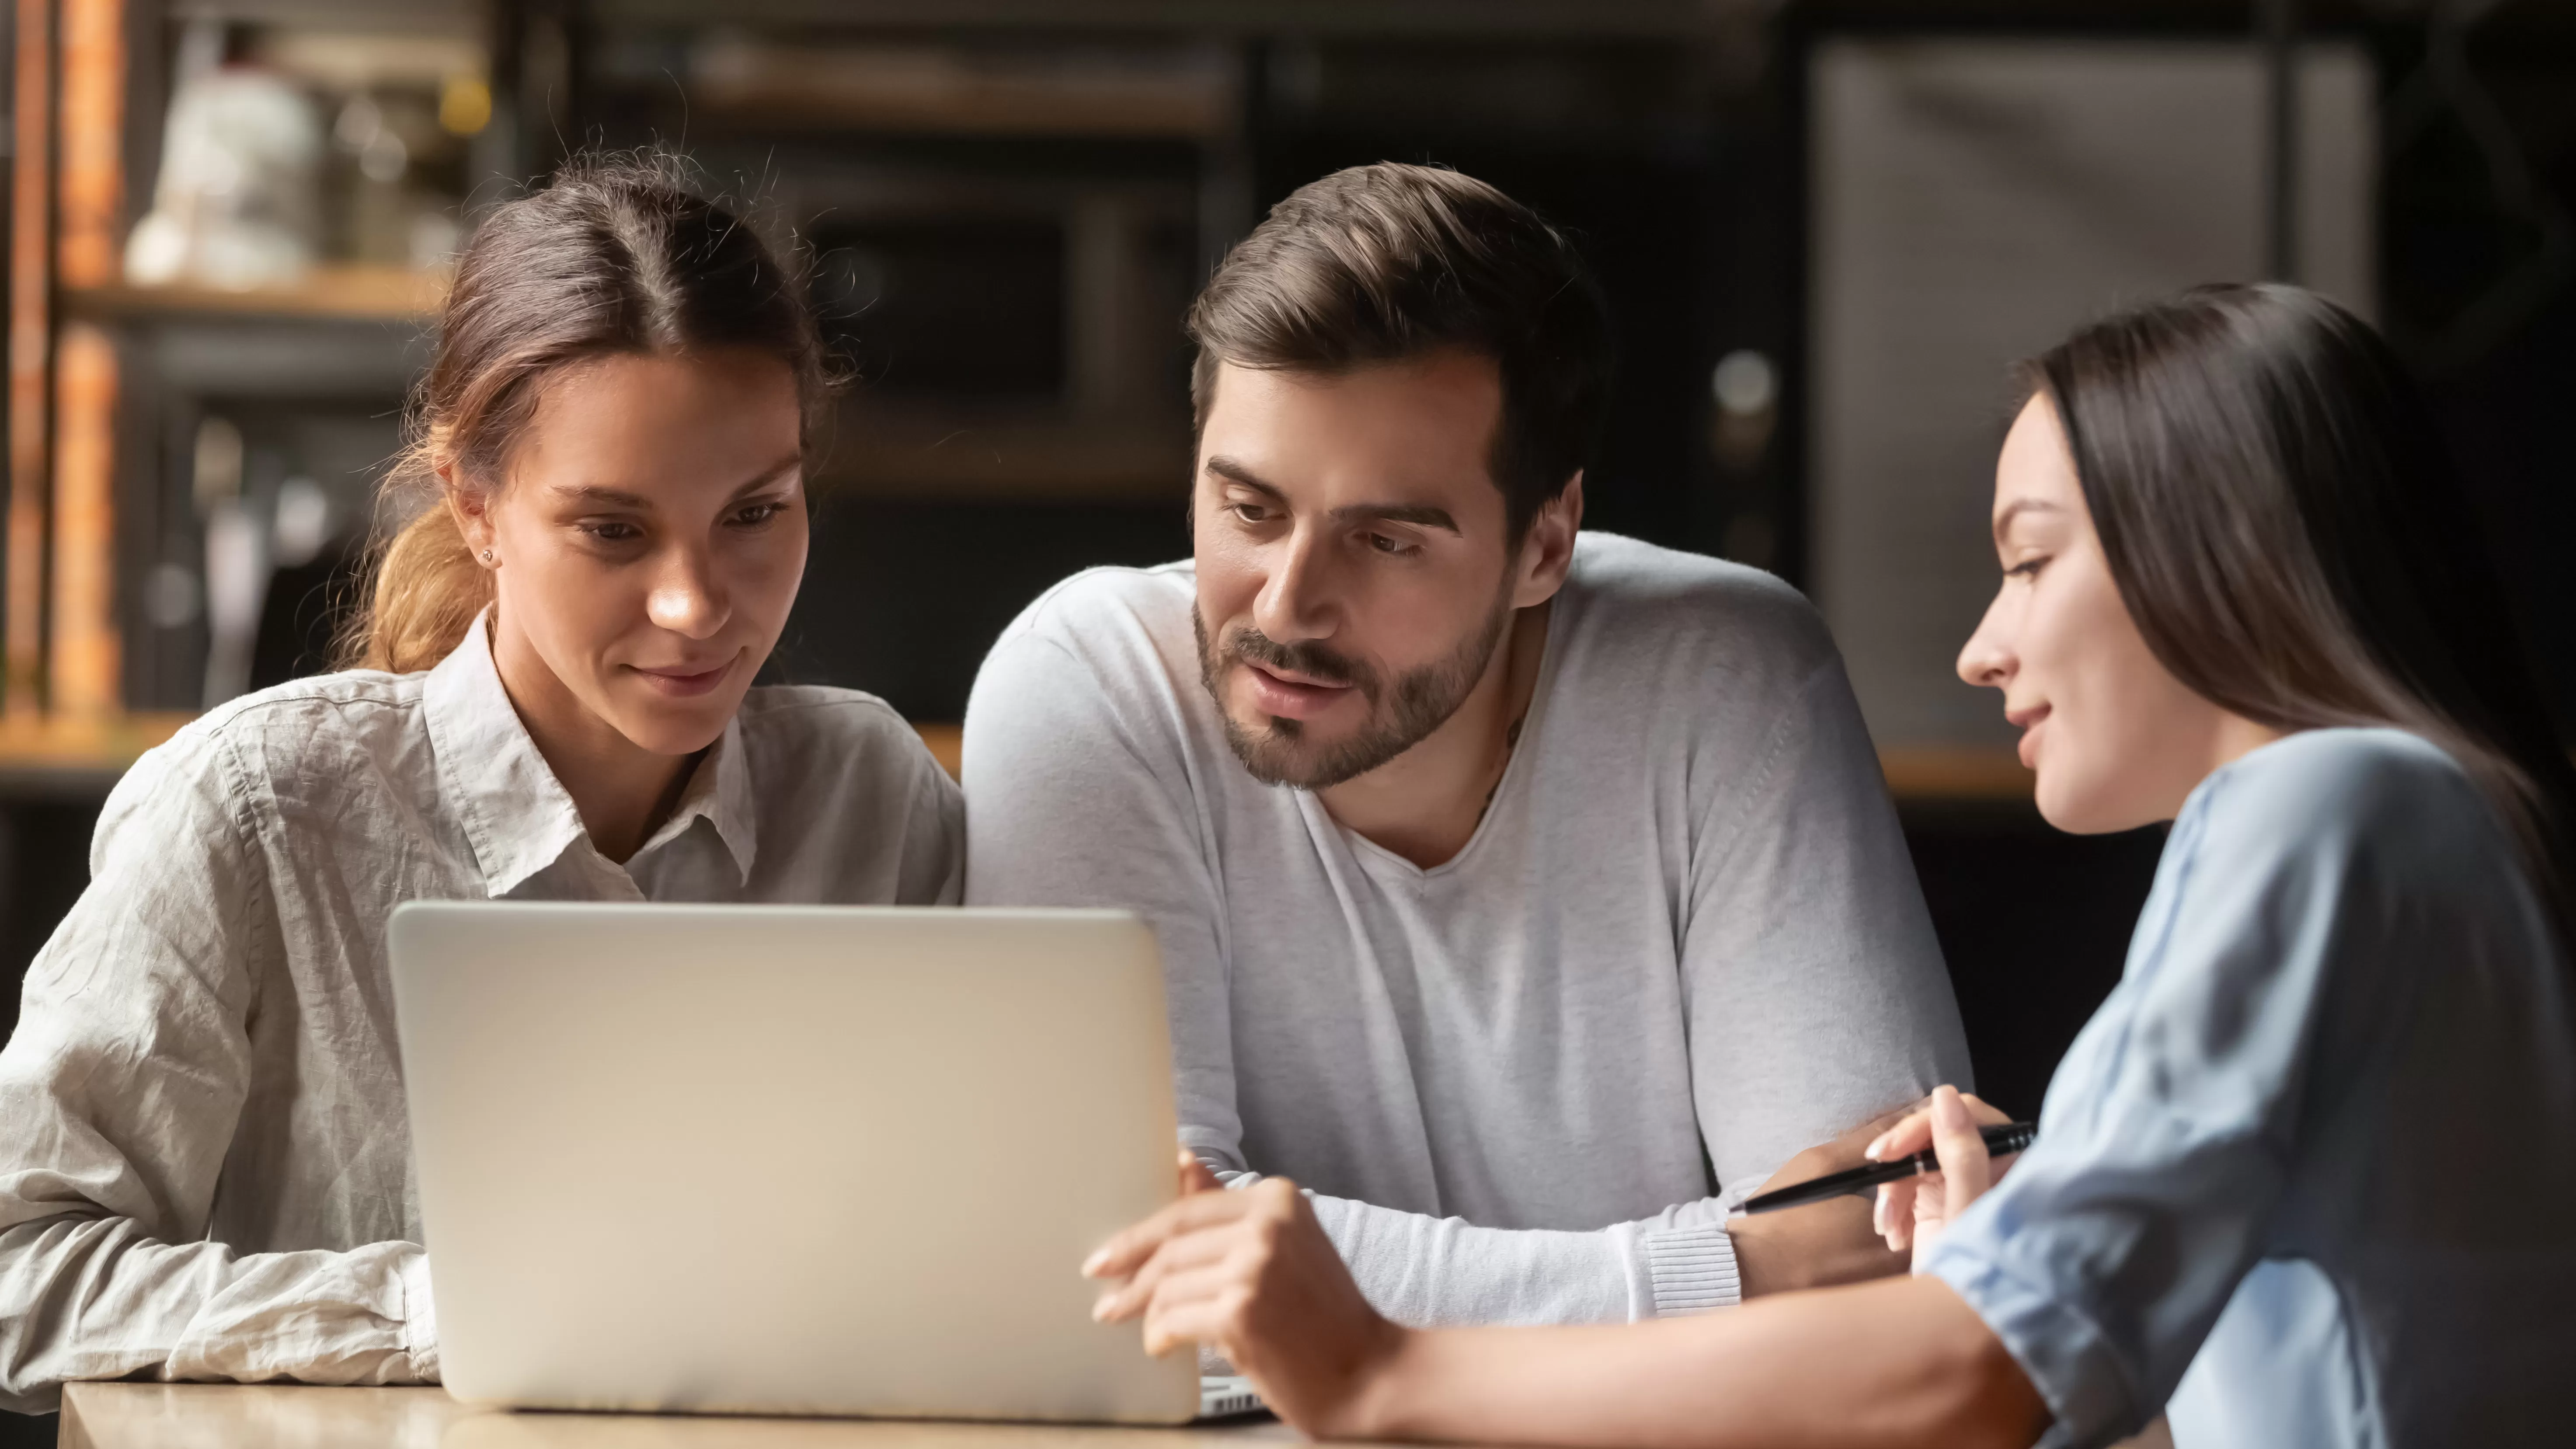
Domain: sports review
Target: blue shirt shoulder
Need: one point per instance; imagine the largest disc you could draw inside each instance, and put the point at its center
(2284, 1186)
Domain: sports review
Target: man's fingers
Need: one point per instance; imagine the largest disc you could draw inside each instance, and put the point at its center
(1966, 1170)
(1128, 1249)
(1179, 1254)
(1195, 1176)
(1210, 1320)
(1198, 1305)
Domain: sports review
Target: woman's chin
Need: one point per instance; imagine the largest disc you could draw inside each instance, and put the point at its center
(676, 727)
(2079, 805)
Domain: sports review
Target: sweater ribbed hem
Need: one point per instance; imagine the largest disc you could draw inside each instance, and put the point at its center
(1693, 1270)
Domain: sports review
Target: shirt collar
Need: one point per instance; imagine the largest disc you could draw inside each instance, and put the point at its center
(516, 814)
(719, 789)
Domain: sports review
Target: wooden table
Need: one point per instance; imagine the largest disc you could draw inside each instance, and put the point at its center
(260, 1416)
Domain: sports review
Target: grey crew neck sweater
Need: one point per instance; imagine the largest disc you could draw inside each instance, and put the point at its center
(1525, 1085)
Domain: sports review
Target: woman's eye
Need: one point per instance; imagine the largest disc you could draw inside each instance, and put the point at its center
(758, 514)
(2027, 569)
(611, 531)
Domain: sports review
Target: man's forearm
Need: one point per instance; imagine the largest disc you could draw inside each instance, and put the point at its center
(1896, 1363)
(1822, 1245)
(1426, 1272)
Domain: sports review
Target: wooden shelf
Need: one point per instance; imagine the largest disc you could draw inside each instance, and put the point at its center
(62, 754)
(331, 293)
(1943, 774)
(947, 745)
(1178, 92)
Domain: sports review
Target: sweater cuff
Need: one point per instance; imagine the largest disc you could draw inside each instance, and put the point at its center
(420, 1318)
(1691, 1270)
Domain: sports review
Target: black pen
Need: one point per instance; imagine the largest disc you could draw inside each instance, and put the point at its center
(2010, 1137)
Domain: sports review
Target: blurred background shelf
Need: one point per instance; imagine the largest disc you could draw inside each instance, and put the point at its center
(339, 293)
(76, 757)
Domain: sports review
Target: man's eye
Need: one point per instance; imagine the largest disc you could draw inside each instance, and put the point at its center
(1392, 546)
(1249, 512)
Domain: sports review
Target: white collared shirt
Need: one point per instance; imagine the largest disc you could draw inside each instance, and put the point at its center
(205, 1167)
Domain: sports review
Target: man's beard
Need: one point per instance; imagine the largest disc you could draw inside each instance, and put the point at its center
(1420, 701)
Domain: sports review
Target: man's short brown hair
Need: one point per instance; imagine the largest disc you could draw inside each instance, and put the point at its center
(1387, 262)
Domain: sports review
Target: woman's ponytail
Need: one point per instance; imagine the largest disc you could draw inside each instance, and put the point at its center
(618, 255)
(426, 591)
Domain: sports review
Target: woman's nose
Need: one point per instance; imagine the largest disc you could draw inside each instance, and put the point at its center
(1986, 660)
(687, 598)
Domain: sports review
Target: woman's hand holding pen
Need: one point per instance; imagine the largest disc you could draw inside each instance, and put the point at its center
(1912, 1212)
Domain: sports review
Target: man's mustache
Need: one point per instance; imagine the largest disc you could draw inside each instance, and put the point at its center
(1312, 660)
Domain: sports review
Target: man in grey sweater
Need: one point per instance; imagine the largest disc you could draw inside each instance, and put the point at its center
(1528, 896)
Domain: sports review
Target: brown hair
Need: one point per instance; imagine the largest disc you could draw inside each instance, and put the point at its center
(1385, 262)
(617, 254)
(2281, 517)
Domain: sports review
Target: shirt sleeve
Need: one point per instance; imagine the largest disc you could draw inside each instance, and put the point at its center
(119, 1097)
(2106, 1256)
(1812, 982)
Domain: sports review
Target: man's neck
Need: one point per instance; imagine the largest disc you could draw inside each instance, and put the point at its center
(1425, 804)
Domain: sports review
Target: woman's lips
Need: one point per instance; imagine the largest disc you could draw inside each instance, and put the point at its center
(2030, 726)
(1290, 698)
(683, 683)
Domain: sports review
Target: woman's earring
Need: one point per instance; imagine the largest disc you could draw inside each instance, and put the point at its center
(487, 558)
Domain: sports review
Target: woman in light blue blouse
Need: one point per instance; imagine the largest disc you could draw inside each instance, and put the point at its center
(2305, 1179)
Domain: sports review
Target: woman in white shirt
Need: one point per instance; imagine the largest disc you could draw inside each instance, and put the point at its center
(204, 1162)
(2304, 1178)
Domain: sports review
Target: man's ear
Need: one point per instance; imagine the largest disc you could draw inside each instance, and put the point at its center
(471, 510)
(1547, 550)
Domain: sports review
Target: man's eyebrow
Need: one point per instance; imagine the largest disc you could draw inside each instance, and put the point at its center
(1234, 472)
(1420, 515)
(2020, 506)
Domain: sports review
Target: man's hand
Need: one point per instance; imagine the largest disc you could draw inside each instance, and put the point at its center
(1913, 1212)
(1252, 1275)
(1823, 1243)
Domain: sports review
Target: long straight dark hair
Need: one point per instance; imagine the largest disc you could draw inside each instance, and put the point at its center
(2283, 521)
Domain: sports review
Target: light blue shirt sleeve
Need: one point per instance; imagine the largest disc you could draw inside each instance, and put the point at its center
(2181, 1137)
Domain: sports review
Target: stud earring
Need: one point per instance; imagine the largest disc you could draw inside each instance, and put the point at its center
(487, 558)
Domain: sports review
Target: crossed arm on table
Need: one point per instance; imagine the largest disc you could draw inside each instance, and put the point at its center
(1898, 1361)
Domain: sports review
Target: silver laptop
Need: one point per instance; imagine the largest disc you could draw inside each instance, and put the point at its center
(788, 1160)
